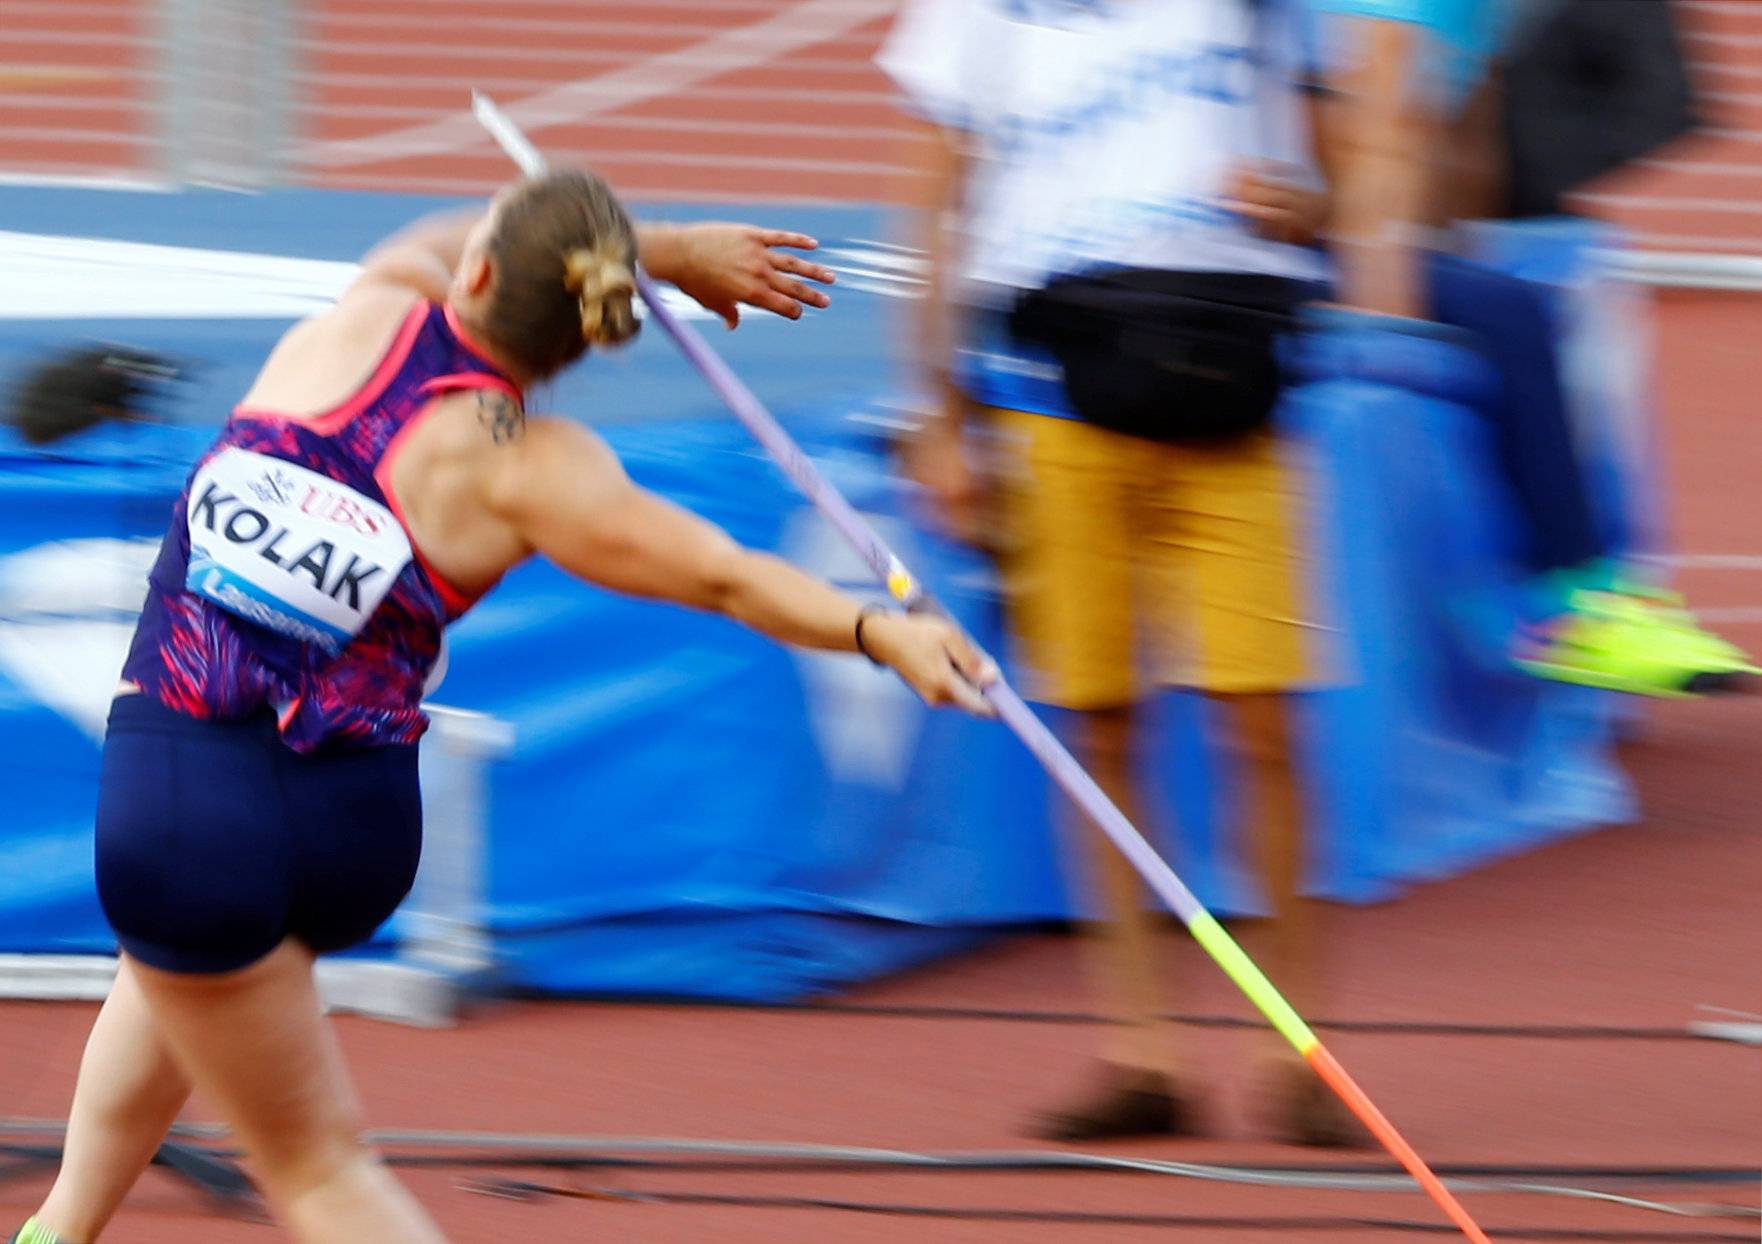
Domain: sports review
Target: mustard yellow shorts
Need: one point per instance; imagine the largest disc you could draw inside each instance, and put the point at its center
(1132, 564)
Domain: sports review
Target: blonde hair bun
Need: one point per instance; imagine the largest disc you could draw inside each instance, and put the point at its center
(606, 288)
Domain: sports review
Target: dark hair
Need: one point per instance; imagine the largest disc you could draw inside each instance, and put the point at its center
(564, 255)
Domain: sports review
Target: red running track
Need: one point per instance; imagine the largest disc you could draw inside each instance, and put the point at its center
(734, 102)
(1630, 927)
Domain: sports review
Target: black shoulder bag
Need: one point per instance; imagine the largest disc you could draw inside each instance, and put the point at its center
(1166, 355)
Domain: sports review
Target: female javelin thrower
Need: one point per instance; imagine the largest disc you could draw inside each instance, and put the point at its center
(258, 801)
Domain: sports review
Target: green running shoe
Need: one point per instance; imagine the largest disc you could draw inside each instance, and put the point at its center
(1720, 655)
(1621, 642)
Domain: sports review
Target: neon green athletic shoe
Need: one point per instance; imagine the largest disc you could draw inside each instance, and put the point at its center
(1622, 642)
(1720, 655)
(33, 1233)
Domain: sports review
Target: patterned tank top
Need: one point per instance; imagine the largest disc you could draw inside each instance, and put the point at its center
(288, 580)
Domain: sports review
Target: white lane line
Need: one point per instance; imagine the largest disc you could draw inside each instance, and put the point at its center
(1706, 168)
(15, 101)
(1729, 69)
(595, 157)
(843, 136)
(627, 121)
(432, 56)
(1715, 561)
(757, 8)
(64, 177)
(1697, 242)
(330, 79)
(70, 134)
(64, 8)
(745, 47)
(81, 37)
(1674, 203)
(633, 189)
(1722, 38)
(329, 27)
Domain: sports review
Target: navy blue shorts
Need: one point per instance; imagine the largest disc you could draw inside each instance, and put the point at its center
(216, 841)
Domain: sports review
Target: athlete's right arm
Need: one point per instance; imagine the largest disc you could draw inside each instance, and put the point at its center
(565, 494)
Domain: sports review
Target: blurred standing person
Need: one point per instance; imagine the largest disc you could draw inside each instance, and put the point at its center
(1117, 193)
(1456, 110)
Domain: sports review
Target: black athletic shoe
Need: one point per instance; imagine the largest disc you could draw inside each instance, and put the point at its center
(1307, 1112)
(1131, 1101)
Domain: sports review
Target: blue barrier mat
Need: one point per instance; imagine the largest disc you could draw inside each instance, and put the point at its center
(690, 810)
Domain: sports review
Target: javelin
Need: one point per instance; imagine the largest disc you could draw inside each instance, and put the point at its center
(1059, 762)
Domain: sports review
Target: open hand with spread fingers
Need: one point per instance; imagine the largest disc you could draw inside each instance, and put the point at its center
(725, 265)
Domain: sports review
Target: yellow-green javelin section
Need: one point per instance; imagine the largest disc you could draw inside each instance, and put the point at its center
(1251, 981)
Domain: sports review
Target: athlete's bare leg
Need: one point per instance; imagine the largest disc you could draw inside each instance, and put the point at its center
(257, 1045)
(129, 1092)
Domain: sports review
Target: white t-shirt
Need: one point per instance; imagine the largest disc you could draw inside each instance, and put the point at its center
(1104, 131)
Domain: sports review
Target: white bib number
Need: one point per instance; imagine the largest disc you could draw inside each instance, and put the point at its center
(290, 549)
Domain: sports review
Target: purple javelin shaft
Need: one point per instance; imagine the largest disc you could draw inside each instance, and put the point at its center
(1017, 715)
(1011, 709)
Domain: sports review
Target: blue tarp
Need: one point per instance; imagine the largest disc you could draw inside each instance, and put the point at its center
(690, 810)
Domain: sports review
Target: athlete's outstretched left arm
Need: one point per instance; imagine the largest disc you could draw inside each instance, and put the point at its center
(562, 490)
(719, 265)
(725, 265)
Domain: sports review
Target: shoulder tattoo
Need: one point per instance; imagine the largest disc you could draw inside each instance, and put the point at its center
(501, 414)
